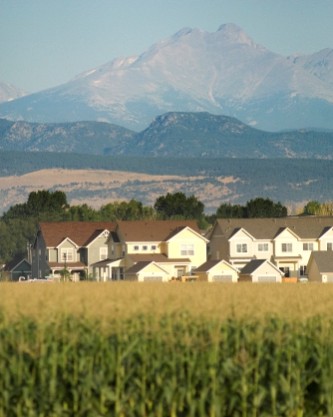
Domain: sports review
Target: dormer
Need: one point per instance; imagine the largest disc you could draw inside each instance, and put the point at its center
(241, 244)
(287, 243)
(67, 251)
(326, 239)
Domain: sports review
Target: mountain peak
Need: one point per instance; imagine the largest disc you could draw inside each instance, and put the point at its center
(234, 33)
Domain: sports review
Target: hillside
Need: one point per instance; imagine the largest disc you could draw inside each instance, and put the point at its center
(83, 137)
(174, 134)
(96, 180)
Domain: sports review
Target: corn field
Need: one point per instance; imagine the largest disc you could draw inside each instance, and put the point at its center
(174, 350)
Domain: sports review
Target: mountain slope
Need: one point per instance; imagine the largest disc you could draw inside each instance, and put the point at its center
(81, 137)
(9, 92)
(174, 134)
(223, 72)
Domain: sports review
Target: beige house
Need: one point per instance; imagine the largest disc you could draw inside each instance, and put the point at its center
(320, 267)
(175, 246)
(147, 271)
(217, 271)
(69, 246)
(286, 242)
(260, 271)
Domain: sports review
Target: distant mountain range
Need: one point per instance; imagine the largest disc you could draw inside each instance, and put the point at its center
(174, 134)
(9, 92)
(224, 72)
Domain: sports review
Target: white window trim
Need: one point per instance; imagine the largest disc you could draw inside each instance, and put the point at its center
(187, 249)
(103, 253)
(66, 255)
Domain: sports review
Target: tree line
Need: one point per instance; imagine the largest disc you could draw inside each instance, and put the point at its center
(19, 224)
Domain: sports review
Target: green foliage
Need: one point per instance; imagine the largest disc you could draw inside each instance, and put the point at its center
(178, 205)
(227, 210)
(264, 207)
(311, 208)
(177, 366)
(39, 203)
(258, 207)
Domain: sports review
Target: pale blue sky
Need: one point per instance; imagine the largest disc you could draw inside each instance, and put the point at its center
(44, 43)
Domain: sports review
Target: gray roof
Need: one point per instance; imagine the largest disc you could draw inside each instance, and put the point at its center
(252, 266)
(306, 227)
(324, 260)
(207, 265)
(137, 267)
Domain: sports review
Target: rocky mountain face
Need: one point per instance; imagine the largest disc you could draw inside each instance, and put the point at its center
(174, 134)
(9, 92)
(224, 72)
(78, 137)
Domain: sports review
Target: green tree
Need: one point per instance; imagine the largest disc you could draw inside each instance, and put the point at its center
(311, 208)
(178, 205)
(264, 207)
(227, 210)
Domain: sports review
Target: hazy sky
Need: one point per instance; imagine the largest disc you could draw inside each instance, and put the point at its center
(44, 43)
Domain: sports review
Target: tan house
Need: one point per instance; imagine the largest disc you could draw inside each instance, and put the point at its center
(286, 242)
(260, 271)
(69, 246)
(320, 267)
(175, 246)
(147, 271)
(217, 271)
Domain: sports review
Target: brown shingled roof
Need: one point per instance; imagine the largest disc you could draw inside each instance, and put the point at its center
(81, 233)
(153, 230)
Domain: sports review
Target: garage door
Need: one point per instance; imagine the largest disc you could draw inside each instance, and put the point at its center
(267, 279)
(222, 278)
(329, 278)
(152, 278)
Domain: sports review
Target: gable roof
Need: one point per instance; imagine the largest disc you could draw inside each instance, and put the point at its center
(82, 233)
(139, 266)
(323, 259)
(153, 230)
(207, 266)
(252, 266)
(255, 264)
(306, 227)
(14, 263)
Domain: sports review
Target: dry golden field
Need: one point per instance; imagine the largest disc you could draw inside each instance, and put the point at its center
(43, 301)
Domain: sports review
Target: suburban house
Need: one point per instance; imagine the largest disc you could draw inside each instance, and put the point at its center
(17, 269)
(156, 250)
(320, 266)
(131, 250)
(260, 271)
(217, 271)
(69, 246)
(286, 242)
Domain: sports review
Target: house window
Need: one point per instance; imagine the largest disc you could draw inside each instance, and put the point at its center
(287, 247)
(153, 247)
(286, 271)
(67, 254)
(329, 246)
(263, 247)
(308, 246)
(144, 247)
(136, 247)
(187, 249)
(103, 253)
(302, 270)
(241, 247)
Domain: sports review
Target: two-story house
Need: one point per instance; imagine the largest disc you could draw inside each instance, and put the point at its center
(156, 250)
(70, 246)
(286, 242)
